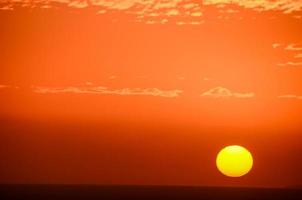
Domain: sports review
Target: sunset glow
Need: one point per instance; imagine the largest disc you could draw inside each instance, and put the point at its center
(146, 92)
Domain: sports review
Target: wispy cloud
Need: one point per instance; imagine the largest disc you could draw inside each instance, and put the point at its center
(108, 91)
(290, 96)
(286, 6)
(288, 47)
(146, 10)
(295, 53)
(221, 92)
(155, 11)
(276, 45)
(290, 64)
(7, 7)
(8, 86)
(293, 47)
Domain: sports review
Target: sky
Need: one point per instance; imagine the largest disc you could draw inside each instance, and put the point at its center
(146, 92)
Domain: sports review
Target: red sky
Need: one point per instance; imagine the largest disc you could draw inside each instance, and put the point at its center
(148, 92)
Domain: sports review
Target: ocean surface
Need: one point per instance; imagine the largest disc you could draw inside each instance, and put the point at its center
(86, 192)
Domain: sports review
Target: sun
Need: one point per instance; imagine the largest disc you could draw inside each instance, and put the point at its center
(234, 161)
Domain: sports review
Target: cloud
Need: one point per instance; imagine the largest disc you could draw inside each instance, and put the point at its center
(293, 47)
(221, 92)
(180, 23)
(290, 63)
(296, 53)
(296, 48)
(145, 6)
(297, 17)
(6, 7)
(112, 77)
(276, 45)
(172, 12)
(78, 4)
(141, 8)
(105, 90)
(196, 14)
(290, 96)
(8, 86)
(286, 6)
(153, 11)
(288, 47)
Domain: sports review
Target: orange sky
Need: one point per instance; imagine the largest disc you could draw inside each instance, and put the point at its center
(148, 92)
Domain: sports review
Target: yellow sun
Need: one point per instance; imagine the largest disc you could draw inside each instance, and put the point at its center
(234, 161)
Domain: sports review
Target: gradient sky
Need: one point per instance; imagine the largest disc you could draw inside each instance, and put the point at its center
(148, 91)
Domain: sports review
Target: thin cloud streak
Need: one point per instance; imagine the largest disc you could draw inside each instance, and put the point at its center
(290, 96)
(105, 90)
(8, 86)
(290, 64)
(276, 45)
(221, 92)
(296, 53)
(293, 47)
(286, 6)
(217, 92)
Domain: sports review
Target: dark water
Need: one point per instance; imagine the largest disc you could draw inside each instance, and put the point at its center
(86, 192)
